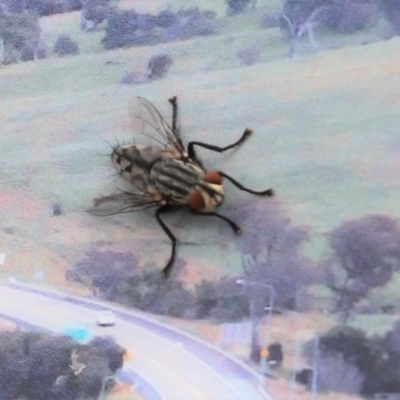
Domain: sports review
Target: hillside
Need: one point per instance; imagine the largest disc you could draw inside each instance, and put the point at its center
(325, 136)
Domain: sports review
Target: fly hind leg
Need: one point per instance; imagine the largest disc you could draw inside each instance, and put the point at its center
(237, 229)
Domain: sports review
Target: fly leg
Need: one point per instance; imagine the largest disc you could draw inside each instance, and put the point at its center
(163, 209)
(191, 145)
(237, 229)
(174, 104)
(268, 192)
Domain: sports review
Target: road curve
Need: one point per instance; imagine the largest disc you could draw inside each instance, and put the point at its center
(177, 365)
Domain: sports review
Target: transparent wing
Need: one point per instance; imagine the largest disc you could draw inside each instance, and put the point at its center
(147, 121)
(124, 200)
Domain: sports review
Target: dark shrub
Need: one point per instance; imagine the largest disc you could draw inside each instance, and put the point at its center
(158, 65)
(27, 54)
(120, 29)
(166, 18)
(41, 52)
(198, 23)
(96, 11)
(391, 9)
(304, 376)
(352, 344)
(337, 375)
(65, 46)
(249, 56)
(20, 32)
(352, 362)
(349, 15)
(72, 5)
(47, 7)
(40, 366)
(231, 303)
(191, 22)
(133, 77)
(57, 210)
(237, 6)
(271, 20)
(103, 271)
(111, 350)
(175, 32)
(128, 28)
(150, 291)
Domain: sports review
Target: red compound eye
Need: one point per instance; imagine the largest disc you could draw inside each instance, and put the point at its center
(213, 177)
(196, 200)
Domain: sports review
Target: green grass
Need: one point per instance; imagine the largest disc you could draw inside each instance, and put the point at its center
(325, 134)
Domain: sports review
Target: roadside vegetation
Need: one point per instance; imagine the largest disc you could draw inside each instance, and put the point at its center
(42, 366)
(315, 79)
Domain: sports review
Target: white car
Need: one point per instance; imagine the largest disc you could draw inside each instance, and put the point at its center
(105, 318)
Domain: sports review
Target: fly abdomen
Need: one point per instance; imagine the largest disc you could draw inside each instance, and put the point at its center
(176, 179)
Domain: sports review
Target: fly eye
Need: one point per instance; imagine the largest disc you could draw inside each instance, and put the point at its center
(213, 177)
(196, 200)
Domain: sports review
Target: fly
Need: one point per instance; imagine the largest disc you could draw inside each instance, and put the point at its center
(165, 174)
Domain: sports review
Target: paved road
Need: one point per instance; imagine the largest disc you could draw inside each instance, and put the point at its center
(177, 366)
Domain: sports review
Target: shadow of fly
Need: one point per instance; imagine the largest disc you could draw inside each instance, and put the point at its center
(165, 174)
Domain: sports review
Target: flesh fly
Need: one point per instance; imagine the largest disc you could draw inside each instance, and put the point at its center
(166, 174)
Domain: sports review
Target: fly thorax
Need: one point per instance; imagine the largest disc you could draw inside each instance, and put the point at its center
(133, 163)
(176, 179)
(208, 194)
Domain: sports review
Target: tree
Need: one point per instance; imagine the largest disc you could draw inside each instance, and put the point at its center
(151, 292)
(95, 11)
(391, 9)
(300, 17)
(113, 352)
(89, 369)
(49, 357)
(238, 6)
(14, 369)
(364, 255)
(271, 247)
(42, 366)
(335, 374)
(122, 27)
(65, 46)
(346, 360)
(103, 270)
(393, 338)
(274, 269)
(20, 33)
(158, 66)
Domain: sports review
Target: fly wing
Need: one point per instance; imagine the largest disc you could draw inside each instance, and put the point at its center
(147, 121)
(124, 201)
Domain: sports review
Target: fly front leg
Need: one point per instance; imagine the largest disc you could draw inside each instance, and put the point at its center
(237, 229)
(174, 103)
(163, 209)
(218, 149)
(268, 192)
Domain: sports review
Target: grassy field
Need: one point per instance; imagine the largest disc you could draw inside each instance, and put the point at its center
(325, 137)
